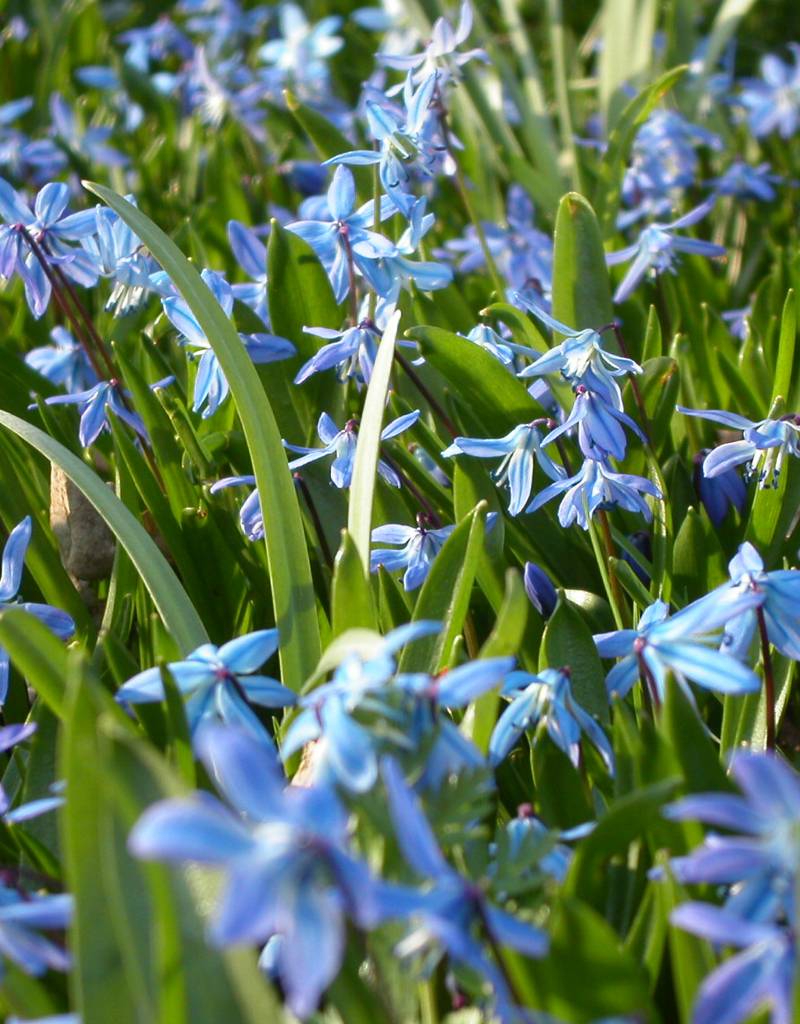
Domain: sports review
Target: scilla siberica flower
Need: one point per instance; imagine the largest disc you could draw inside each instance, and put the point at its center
(772, 102)
(546, 698)
(757, 861)
(210, 385)
(419, 546)
(22, 916)
(519, 450)
(776, 597)
(682, 644)
(10, 581)
(657, 249)
(455, 914)
(440, 53)
(64, 362)
(47, 227)
(342, 444)
(401, 139)
(353, 351)
(284, 852)
(345, 242)
(119, 255)
(95, 404)
(596, 486)
(347, 751)
(764, 444)
(759, 856)
(600, 425)
(581, 358)
(300, 54)
(219, 683)
(251, 517)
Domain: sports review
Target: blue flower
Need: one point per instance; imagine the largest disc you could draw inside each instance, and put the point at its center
(284, 853)
(49, 230)
(344, 242)
(581, 358)
(772, 102)
(354, 352)
(95, 404)
(251, 518)
(391, 272)
(680, 644)
(540, 590)
(10, 581)
(347, 752)
(228, 89)
(747, 182)
(657, 249)
(300, 54)
(419, 546)
(546, 697)
(91, 144)
(455, 914)
(663, 164)
(757, 858)
(218, 683)
(210, 385)
(599, 422)
(251, 255)
(761, 976)
(719, 493)
(764, 445)
(21, 916)
(498, 347)
(402, 141)
(342, 444)
(520, 449)
(10, 736)
(595, 486)
(440, 52)
(119, 255)
(64, 362)
(776, 596)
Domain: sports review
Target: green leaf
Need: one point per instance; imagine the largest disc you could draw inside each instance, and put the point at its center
(692, 958)
(287, 555)
(786, 347)
(169, 597)
(444, 596)
(626, 819)
(568, 643)
(352, 602)
(326, 139)
(494, 396)
(694, 748)
(102, 987)
(587, 973)
(581, 287)
(362, 489)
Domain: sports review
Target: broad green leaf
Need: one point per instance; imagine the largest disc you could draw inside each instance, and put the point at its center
(588, 974)
(568, 643)
(628, 27)
(626, 819)
(697, 753)
(581, 287)
(352, 601)
(444, 596)
(287, 555)
(362, 489)
(168, 595)
(496, 398)
(102, 988)
(692, 958)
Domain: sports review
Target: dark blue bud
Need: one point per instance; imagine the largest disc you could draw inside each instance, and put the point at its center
(719, 493)
(539, 588)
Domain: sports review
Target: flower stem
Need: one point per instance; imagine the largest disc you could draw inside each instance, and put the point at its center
(769, 678)
(315, 519)
(413, 376)
(612, 589)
